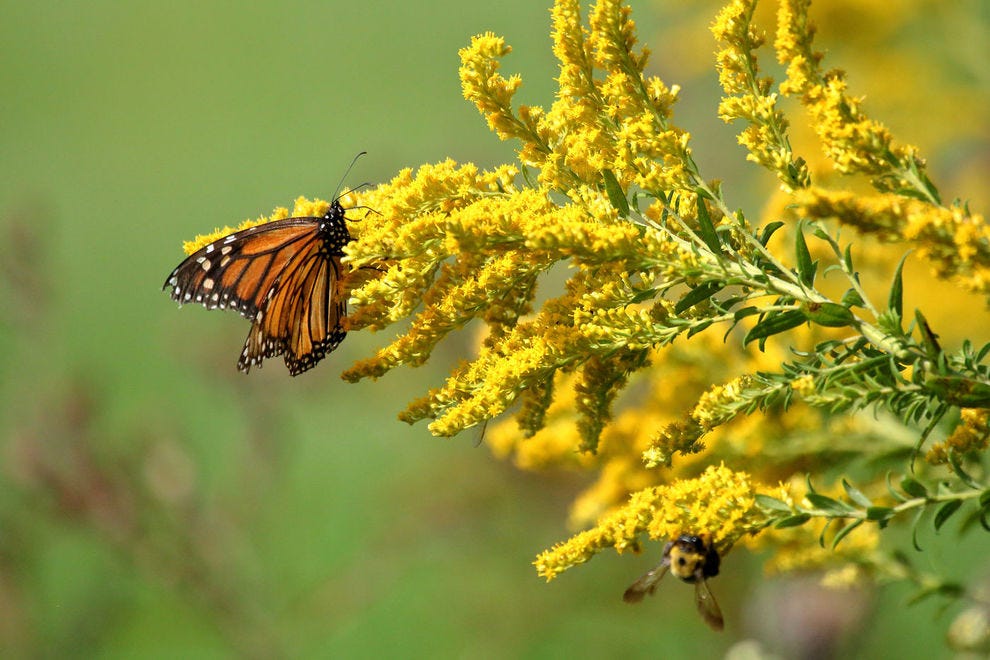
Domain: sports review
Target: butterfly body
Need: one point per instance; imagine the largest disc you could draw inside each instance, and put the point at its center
(284, 276)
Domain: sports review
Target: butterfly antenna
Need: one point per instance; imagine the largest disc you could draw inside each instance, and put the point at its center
(346, 172)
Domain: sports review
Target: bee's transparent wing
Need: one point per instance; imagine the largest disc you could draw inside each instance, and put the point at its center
(646, 584)
(707, 606)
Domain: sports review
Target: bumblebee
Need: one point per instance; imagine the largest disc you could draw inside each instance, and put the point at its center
(693, 559)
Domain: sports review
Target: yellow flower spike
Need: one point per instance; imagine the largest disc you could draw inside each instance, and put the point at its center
(971, 435)
(719, 502)
(748, 96)
(955, 241)
(482, 85)
(569, 45)
(851, 140)
(613, 35)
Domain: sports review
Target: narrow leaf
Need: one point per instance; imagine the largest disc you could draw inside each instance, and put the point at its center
(792, 521)
(856, 495)
(945, 512)
(821, 537)
(844, 532)
(698, 328)
(828, 314)
(706, 229)
(895, 302)
(950, 589)
(851, 298)
(913, 487)
(698, 294)
(880, 514)
(914, 529)
(806, 267)
(826, 503)
(615, 193)
(744, 312)
(772, 503)
(774, 324)
(928, 338)
(769, 231)
(960, 472)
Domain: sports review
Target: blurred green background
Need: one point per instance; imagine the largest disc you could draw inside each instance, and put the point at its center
(156, 503)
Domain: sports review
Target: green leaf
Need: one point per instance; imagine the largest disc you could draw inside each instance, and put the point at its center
(851, 298)
(775, 323)
(772, 503)
(698, 328)
(985, 498)
(615, 193)
(945, 512)
(645, 294)
(928, 338)
(856, 495)
(698, 294)
(830, 505)
(960, 391)
(793, 521)
(960, 472)
(706, 229)
(844, 532)
(744, 312)
(949, 589)
(914, 529)
(894, 493)
(769, 231)
(895, 302)
(821, 537)
(828, 314)
(913, 487)
(806, 267)
(879, 514)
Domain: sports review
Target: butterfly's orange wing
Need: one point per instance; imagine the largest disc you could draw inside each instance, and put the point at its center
(285, 276)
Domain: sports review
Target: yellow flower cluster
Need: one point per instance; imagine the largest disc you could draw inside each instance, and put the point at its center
(607, 116)
(748, 96)
(853, 141)
(972, 434)
(955, 240)
(719, 502)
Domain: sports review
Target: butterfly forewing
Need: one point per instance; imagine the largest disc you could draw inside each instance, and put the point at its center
(238, 270)
(285, 276)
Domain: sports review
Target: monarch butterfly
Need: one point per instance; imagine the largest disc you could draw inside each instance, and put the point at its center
(284, 276)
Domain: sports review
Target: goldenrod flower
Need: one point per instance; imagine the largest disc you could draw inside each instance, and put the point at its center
(853, 141)
(719, 502)
(954, 240)
(971, 435)
(748, 96)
